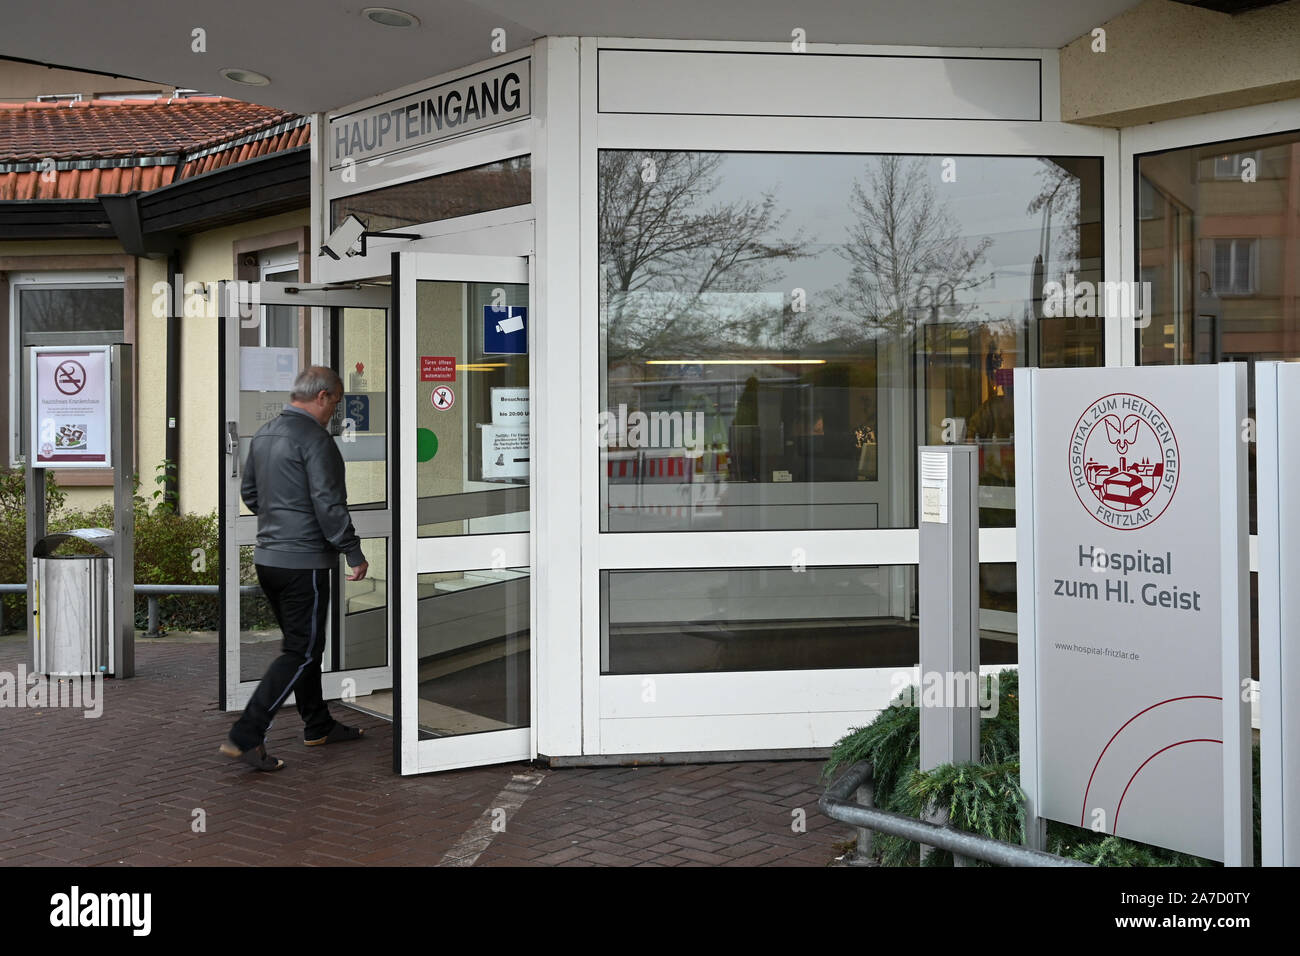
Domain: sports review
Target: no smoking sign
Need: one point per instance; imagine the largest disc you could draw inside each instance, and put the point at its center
(443, 397)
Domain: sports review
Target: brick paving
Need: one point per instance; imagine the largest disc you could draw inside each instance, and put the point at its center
(125, 788)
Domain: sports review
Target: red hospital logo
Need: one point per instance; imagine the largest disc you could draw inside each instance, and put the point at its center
(1124, 461)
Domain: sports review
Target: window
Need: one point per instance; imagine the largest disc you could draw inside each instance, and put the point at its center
(1234, 266)
(56, 308)
(712, 620)
(779, 332)
(464, 192)
(1231, 165)
(279, 328)
(1220, 293)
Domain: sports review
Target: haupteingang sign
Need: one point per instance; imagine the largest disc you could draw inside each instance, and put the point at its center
(1133, 603)
(499, 94)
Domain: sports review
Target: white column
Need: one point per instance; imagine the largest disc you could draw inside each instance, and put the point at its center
(558, 344)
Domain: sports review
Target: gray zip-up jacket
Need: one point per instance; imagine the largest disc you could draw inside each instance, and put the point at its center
(294, 483)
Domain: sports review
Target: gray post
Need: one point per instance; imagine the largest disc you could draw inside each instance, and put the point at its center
(121, 362)
(948, 587)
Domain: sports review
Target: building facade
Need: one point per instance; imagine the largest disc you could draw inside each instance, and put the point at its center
(641, 336)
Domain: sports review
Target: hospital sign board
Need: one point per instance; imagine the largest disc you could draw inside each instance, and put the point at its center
(1137, 562)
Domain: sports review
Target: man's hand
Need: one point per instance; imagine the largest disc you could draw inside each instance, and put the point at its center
(359, 571)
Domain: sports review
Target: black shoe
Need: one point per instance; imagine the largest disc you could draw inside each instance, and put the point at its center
(255, 757)
(338, 733)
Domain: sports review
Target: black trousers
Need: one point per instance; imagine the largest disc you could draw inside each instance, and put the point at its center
(300, 600)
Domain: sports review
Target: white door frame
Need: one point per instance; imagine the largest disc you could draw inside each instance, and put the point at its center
(513, 262)
(734, 711)
(241, 530)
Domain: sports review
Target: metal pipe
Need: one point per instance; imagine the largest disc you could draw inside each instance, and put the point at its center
(837, 805)
(155, 589)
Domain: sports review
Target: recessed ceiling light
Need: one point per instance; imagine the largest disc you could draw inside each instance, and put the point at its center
(389, 17)
(246, 77)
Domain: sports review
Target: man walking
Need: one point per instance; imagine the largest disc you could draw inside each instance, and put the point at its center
(294, 483)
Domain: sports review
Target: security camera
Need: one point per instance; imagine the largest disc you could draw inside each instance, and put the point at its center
(345, 240)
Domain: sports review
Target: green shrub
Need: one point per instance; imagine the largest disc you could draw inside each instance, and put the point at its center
(13, 538)
(165, 543)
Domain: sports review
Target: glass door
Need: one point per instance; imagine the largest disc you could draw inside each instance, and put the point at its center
(462, 595)
(262, 348)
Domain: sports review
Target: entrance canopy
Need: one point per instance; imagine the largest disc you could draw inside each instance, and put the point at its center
(336, 55)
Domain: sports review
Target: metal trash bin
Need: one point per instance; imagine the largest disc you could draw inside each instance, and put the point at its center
(74, 604)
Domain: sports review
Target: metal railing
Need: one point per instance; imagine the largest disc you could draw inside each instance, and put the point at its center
(839, 803)
(153, 592)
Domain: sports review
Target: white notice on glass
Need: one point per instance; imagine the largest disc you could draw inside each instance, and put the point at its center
(505, 451)
(510, 405)
(934, 487)
(265, 369)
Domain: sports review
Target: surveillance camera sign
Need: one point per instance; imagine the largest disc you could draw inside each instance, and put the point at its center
(505, 330)
(70, 408)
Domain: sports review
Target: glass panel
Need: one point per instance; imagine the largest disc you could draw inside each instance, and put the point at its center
(280, 322)
(259, 633)
(276, 325)
(471, 423)
(1222, 253)
(363, 365)
(760, 619)
(780, 331)
(474, 647)
(70, 310)
(694, 621)
(364, 638)
(256, 408)
(998, 613)
(463, 192)
(269, 360)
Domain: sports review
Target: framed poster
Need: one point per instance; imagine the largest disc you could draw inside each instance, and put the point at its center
(71, 407)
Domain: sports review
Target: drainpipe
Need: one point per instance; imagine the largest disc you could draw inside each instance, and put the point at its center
(171, 490)
(124, 213)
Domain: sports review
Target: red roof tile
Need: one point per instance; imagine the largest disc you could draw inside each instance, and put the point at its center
(132, 144)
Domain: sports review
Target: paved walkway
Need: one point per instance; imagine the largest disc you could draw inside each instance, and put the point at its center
(144, 785)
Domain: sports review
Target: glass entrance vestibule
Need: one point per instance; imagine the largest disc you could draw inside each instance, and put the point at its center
(436, 468)
(637, 372)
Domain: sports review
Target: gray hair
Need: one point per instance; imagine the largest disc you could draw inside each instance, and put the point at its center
(313, 380)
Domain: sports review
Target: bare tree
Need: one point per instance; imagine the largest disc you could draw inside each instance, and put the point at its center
(665, 249)
(906, 254)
